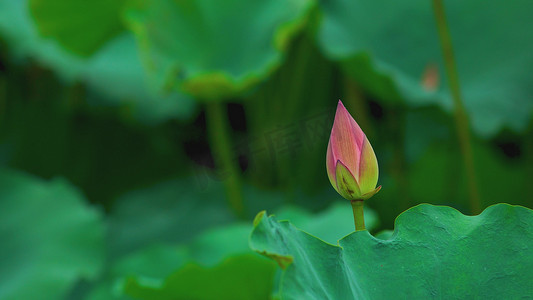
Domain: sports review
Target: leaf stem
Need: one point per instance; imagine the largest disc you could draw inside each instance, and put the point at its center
(461, 118)
(218, 130)
(397, 125)
(529, 154)
(3, 98)
(358, 214)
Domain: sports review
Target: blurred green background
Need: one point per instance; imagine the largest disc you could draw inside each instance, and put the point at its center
(139, 138)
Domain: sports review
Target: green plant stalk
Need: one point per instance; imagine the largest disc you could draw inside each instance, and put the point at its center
(257, 110)
(397, 118)
(3, 98)
(358, 214)
(461, 118)
(529, 155)
(295, 85)
(218, 131)
(74, 97)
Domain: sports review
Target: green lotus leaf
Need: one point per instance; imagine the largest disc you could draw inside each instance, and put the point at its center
(254, 276)
(169, 212)
(50, 237)
(18, 30)
(162, 271)
(219, 257)
(157, 230)
(78, 25)
(214, 49)
(389, 47)
(147, 269)
(435, 252)
(113, 73)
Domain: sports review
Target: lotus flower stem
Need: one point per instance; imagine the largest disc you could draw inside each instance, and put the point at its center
(358, 214)
(217, 123)
(461, 117)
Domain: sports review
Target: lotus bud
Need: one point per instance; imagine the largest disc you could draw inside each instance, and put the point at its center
(350, 160)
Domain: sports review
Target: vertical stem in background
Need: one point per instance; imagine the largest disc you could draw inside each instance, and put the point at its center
(358, 214)
(297, 83)
(529, 156)
(3, 98)
(461, 118)
(293, 107)
(218, 131)
(397, 119)
(75, 96)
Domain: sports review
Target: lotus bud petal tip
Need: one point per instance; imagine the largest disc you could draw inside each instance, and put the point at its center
(351, 164)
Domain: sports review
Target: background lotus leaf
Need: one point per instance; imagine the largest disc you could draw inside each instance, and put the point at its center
(212, 48)
(50, 237)
(113, 72)
(72, 22)
(225, 249)
(219, 258)
(391, 47)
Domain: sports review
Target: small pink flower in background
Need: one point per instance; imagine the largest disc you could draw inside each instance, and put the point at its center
(350, 161)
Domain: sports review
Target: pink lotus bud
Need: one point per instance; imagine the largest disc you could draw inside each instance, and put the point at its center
(350, 161)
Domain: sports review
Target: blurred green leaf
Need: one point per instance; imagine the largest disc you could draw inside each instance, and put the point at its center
(391, 46)
(434, 172)
(50, 238)
(237, 278)
(156, 230)
(500, 179)
(176, 211)
(152, 264)
(219, 258)
(170, 212)
(424, 127)
(19, 31)
(215, 49)
(161, 270)
(117, 74)
(100, 154)
(433, 252)
(223, 256)
(114, 72)
(78, 25)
